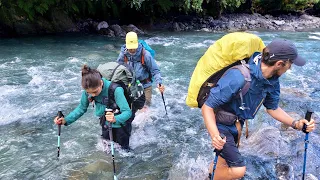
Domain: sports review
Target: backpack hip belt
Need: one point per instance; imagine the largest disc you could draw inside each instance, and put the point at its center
(227, 118)
(145, 81)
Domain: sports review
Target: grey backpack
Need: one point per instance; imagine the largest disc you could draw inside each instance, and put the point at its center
(122, 75)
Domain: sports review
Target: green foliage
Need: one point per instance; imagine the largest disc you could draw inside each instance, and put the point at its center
(136, 4)
(196, 5)
(165, 5)
(231, 5)
(293, 5)
(31, 8)
(6, 16)
(15, 10)
(317, 6)
(269, 6)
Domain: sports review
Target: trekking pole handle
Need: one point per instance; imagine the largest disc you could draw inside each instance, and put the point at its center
(108, 110)
(308, 118)
(222, 137)
(60, 114)
(160, 86)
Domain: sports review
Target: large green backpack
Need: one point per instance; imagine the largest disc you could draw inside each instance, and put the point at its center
(121, 75)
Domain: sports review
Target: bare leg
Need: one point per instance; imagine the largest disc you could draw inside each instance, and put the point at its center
(224, 172)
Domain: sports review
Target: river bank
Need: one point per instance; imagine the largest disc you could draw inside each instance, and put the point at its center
(228, 22)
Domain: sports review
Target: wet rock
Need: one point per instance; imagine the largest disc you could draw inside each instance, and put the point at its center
(307, 17)
(118, 31)
(97, 167)
(294, 92)
(236, 22)
(284, 171)
(108, 32)
(176, 27)
(311, 177)
(258, 168)
(205, 29)
(279, 23)
(132, 27)
(288, 27)
(87, 26)
(102, 25)
(263, 143)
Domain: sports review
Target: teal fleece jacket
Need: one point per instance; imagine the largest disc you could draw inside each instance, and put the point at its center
(99, 107)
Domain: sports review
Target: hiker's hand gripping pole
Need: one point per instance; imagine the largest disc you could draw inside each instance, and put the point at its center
(59, 132)
(164, 102)
(306, 141)
(216, 158)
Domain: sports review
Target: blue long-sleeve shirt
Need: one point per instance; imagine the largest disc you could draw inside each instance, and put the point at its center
(141, 72)
(262, 91)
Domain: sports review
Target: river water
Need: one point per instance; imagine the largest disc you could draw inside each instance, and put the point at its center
(41, 75)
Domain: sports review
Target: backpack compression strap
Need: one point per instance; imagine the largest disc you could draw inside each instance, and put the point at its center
(114, 71)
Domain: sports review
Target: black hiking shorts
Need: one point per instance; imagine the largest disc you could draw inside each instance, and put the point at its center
(230, 152)
(120, 135)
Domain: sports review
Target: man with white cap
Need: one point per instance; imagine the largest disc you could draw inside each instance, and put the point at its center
(222, 104)
(143, 64)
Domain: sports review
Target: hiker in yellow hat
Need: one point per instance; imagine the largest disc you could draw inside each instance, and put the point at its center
(140, 57)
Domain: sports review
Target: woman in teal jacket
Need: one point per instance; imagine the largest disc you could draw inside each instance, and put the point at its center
(96, 91)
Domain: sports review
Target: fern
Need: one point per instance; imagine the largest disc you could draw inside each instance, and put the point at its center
(165, 5)
(197, 5)
(75, 8)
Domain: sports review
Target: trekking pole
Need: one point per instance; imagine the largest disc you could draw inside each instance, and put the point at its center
(306, 141)
(216, 158)
(112, 145)
(164, 103)
(59, 132)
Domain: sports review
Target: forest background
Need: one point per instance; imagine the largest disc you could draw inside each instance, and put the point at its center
(50, 16)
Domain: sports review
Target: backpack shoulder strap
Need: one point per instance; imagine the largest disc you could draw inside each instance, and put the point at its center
(142, 56)
(245, 71)
(111, 99)
(125, 59)
(144, 64)
(111, 93)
